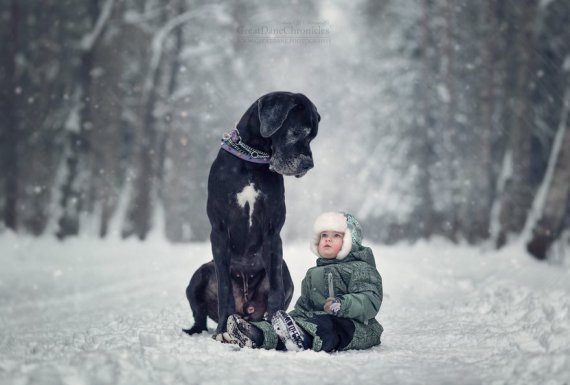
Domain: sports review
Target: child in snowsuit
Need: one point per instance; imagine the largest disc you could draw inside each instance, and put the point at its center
(340, 297)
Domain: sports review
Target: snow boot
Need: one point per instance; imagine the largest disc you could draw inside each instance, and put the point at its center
(243, 333)
(293, 337)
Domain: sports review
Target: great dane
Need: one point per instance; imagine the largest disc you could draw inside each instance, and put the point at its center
(246, 195)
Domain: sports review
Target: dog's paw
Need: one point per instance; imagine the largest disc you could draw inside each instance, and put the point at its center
(267, 316)
(228, 339)
(193, 330)
(224, 338)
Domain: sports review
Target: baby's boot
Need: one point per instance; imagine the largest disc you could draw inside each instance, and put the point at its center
(293, 337)
(243, 333)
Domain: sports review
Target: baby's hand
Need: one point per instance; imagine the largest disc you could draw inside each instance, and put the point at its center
(332, 306)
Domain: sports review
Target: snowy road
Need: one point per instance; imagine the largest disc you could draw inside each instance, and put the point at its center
(88, 312)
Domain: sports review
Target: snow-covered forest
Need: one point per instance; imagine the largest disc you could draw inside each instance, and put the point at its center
(439, 117)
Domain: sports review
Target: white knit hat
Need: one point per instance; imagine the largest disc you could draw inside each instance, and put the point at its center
(342, 223)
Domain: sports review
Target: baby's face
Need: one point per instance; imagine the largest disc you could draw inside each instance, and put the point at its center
(330, 243)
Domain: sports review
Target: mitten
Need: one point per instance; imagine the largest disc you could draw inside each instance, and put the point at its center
(332, 306)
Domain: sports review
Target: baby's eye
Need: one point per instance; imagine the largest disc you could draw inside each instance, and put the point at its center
(337, 235)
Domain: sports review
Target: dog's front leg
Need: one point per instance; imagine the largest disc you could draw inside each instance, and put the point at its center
(222, 256)
(274, 270)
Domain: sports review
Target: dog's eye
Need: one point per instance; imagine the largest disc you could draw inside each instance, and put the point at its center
(300, 132)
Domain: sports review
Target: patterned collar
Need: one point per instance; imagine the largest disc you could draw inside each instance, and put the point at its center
(232, 143)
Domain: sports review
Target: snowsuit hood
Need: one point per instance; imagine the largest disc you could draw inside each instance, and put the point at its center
(342, 223)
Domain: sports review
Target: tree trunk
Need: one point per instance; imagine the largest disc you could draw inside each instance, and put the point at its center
(76, 196)
(140, 212)
(73, 196)
(38, 130)
(484, 185)
(518, 194)
(174, 139)
(151, 142)
(449, 137)
(107, 97)
(9, 128)
(424, 140)
(549, 227)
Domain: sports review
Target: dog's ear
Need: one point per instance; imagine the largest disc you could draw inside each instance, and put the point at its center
(273, 110)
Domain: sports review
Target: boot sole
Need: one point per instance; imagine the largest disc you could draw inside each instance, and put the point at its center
(240, 337)
(287, 331)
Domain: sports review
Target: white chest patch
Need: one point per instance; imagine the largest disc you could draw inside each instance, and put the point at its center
(248, 195)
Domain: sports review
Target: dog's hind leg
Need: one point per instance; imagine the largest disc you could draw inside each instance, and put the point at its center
(195, 293)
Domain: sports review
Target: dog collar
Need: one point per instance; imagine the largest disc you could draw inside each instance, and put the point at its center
(232, 143)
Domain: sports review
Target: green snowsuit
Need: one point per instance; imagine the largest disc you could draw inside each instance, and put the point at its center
(358, 285)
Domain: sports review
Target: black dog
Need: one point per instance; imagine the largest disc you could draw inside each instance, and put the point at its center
(250, 293)
(246, 195)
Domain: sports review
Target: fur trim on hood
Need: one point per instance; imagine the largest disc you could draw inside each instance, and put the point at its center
(341, 222)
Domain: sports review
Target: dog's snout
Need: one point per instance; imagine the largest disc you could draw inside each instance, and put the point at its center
(307, 164)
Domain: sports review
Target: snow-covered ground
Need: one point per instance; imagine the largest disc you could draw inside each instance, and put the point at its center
(91, 312)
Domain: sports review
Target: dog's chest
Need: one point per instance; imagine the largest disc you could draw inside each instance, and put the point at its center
(256, 197)
(247, 198)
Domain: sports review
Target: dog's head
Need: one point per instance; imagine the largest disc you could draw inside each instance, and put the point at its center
(291, 121)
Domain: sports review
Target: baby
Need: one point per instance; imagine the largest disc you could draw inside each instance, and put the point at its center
(340, 297)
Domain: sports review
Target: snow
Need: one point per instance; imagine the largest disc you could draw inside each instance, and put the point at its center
(91, 312)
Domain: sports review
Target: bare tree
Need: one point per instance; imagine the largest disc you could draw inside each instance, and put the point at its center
(9, 128)
(75, 195)
(107, 104)
(517, 197)
(555, 195)
(484, 175)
